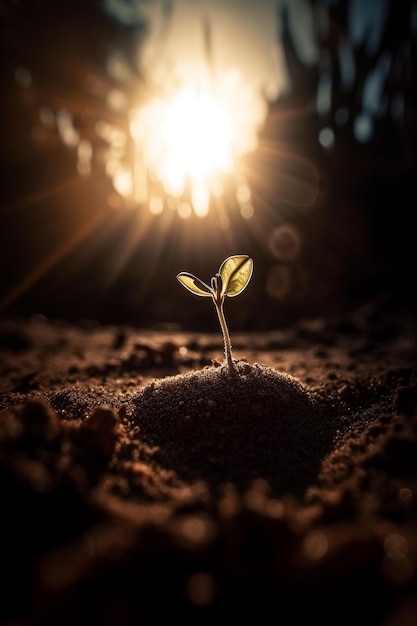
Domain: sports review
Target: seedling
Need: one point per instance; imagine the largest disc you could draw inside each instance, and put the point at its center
(234, 274)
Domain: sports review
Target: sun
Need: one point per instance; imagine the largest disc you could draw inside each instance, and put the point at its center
(193, 137)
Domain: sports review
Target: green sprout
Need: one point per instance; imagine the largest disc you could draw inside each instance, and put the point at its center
(234, 274)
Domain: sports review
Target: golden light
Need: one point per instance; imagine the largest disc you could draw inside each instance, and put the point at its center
(190, 139)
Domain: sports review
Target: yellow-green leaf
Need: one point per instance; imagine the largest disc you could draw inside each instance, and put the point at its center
(194, 284)
(236, 272)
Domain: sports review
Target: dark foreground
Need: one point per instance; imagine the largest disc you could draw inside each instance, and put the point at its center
(141, 481)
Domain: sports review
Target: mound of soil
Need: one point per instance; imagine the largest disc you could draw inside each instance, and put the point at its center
(140, 478)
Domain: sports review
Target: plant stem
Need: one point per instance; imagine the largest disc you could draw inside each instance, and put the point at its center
(226, 337)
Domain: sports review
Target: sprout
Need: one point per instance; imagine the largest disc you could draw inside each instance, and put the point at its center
(231, 279)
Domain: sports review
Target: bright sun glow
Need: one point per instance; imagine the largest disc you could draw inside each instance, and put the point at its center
(192, 138)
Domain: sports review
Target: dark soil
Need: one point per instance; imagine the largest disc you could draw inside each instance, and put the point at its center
(140, 480)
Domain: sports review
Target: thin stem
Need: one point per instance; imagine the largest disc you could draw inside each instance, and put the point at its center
(226, 337)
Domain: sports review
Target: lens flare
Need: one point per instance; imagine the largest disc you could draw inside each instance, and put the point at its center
(190, 140)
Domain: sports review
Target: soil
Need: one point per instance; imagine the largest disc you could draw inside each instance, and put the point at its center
(142, 480)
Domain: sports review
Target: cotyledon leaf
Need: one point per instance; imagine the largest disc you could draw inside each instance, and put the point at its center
(236, 272)
(194, 284)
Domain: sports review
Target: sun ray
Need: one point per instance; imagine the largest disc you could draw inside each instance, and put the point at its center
(32, 277)
(36, 197)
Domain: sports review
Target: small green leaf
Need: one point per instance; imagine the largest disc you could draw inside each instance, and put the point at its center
(194, 284)
(236, 272)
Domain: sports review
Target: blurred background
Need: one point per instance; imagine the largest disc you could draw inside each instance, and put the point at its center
(143, 138)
